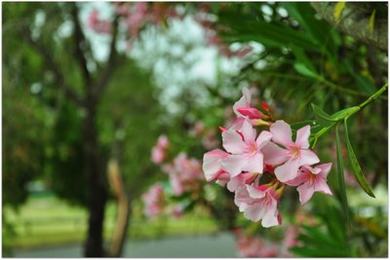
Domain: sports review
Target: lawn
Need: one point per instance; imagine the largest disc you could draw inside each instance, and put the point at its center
(46, 221)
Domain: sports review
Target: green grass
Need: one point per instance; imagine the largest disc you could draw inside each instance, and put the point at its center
(48, 221)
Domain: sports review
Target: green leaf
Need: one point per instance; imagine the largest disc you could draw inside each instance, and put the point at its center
(323, 118)
(357, 170)
(371, 22)
(338, 10)
(340, 176)
(305, 71)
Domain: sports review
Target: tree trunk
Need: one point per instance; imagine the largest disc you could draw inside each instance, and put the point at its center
(123, 209)
(97, 194)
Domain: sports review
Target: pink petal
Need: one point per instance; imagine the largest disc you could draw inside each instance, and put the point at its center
(244, 101)
(233, 142)
(250, 112)
(240, 180)
(325, 169)
(321, 186)
(273, 154)
(255, 193)
(281, 133)
(301, 178)
(263, 139)
(270, 219)
(305, 192)
(212, 163)
(303, 137)
(254, 212)
(254, 163)
(287, 171)
(248, 131)
(233, 164)
(307, 157)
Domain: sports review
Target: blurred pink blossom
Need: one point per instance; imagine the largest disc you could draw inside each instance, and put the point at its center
(159, 151)
(154, 201)
(98, 25)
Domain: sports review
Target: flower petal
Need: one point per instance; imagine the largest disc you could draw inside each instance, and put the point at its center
(233, 164)
(287, 171)
(255, 193)
(307, 157)
(305, 192)
(325, 169)
(254, 212)
(263, 139)
(248, 131)
(321, 186)
(303, 135)
(254, 163)
(273, 154)
(233, 142)
(244, 101)
(281, 133)
(212, 163)
(270, 219)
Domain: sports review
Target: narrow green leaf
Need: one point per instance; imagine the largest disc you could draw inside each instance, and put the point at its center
(338, 10)
(323, 118)
(340, 176)
(371, 22)
(305, 71)
(357, 170)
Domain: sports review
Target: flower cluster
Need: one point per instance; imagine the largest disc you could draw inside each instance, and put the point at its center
(254, 246)
(159, 151)
(258, 167)
(185, 174)
(154, 201)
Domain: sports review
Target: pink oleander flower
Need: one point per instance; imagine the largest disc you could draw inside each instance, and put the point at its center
(258, 203)
(290, 240)
(212, 166)
(251, 246)
(154, 201)
(291, 155)
(243, 108)
(185, 174)
(311, 179)
(159, 150)
(245, 149)
(98, 25)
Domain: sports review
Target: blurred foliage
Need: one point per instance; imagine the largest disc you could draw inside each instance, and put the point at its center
(305, 60)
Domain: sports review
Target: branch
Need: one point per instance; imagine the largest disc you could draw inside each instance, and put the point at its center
(106, 74)
(355, 21)
(51, 65)
(80, 40)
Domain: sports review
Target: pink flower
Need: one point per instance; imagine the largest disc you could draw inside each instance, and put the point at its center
(160, 149)
(242, 108)
(98, 25)
(251, 246)
(154, 201)
(212, 165)
(185, 174)
(310, 180)
(244, 178)
(292, 155)
(245, 149)
(290, 240)
(258, 203)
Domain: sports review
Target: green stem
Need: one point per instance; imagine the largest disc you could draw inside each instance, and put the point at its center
(374, 96)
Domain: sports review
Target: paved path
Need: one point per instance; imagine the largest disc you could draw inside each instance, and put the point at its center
(221, 245)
